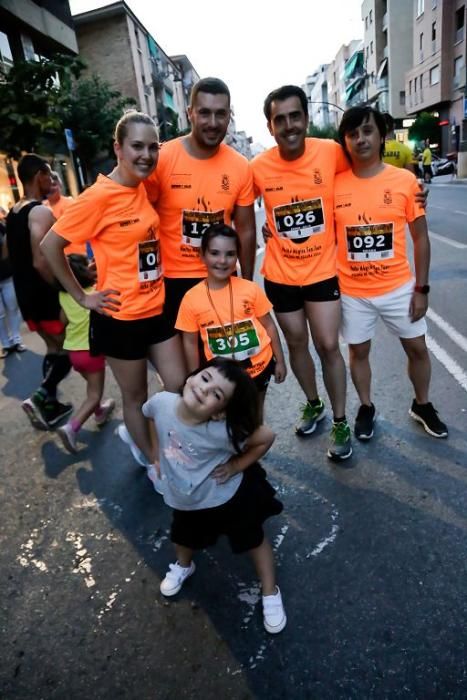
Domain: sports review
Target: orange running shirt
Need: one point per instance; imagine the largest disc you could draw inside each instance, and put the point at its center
(123, 228)
(249, 303)
(371, 216)
(189, 195)
(57, 210)
(298, 198)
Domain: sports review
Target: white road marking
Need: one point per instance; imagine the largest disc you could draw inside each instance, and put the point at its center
(260, 251)
(457, 211)
(455, 336)
(327, 540)
(451, 365)
(448, 241)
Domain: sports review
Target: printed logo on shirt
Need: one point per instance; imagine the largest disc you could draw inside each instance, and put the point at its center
(387, 197)
(225, 184)
(128, 222)
(317, 177)
(180, 181)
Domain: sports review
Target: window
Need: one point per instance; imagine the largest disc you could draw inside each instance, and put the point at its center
(458, 66)
(371, 47)
(434, 75)
(402, 98)
(433, 4)
(415, 84)
(366, 22)
(6, 57)
(433, 31)
(420, 7)
(28, 48)
(410, 87)
(460, 21)
(421, 41)
(371, 16)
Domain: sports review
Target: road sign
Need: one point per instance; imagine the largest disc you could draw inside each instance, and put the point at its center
(70, 142)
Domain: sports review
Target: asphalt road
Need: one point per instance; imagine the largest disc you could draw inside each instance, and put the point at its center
(371, 555)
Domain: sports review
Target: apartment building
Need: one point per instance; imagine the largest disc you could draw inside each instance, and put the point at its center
(117, 46)
(189, 77)
(387, 42)
(30, 30)
(436, 82)
(326, 87)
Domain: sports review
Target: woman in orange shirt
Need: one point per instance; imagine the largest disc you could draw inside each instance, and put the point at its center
(126, 321)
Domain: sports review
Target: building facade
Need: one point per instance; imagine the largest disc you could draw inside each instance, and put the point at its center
(436, 82)
(388, 48)
(29, 31)
(112, 37)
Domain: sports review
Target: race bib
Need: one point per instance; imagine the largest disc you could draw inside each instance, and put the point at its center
(242, 339)
(299, 219)
(195, 223)
(370, 242)
(149, 261)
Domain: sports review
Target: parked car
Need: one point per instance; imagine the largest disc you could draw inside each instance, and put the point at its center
(439, 166)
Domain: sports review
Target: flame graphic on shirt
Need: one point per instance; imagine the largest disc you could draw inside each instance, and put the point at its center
(202, 204)
(364, 218)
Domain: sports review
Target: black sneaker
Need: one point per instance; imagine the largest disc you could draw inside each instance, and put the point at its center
(34, 409)
(426, 414)
(364, 422)
(53, 411)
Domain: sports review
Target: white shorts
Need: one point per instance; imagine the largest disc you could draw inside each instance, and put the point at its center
(360, 314)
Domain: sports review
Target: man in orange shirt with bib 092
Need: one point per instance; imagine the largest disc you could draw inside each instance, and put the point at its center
(373, 203)
(201, 181)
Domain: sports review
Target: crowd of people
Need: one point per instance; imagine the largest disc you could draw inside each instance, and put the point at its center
(166, 229)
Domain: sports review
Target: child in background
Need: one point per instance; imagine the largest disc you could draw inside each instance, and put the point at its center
(76, 320)
(232, 315)
(210, 441)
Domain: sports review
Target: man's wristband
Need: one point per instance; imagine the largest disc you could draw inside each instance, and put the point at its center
(422, 289)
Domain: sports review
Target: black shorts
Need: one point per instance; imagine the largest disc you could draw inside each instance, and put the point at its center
(126, 340)
(263, 378)
(240, 519)
(289, 297)
(175, 290)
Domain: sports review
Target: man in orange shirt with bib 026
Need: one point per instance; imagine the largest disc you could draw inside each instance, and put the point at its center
(201, 181)
(296, 180)
(373, 203)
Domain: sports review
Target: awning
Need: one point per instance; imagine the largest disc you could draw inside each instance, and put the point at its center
(356, 61)
(382, 68)
(352, 89)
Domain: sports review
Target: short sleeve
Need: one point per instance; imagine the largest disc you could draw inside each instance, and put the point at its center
(186, 318)
(262, 304)
(83, 219)
(246, 195)
(342, 162)
(152, 187)
(150, 407)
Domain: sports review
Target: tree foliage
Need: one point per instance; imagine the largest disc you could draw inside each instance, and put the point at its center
(39, 99)
(424, 127)
(325, 132)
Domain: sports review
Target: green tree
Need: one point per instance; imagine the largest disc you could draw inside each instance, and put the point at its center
(325, 132)
(39, 99)
(33, 97)
(92, 114)
(425, 126)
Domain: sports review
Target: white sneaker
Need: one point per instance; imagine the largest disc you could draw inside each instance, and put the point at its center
(107, 408)
(274, 617)
(175, 578)
(68, 437)
(123, 434)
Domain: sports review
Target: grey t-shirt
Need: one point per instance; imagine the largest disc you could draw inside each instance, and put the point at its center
(188, 454)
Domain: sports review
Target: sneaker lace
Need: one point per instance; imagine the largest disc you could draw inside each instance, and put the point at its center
(340, 433)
